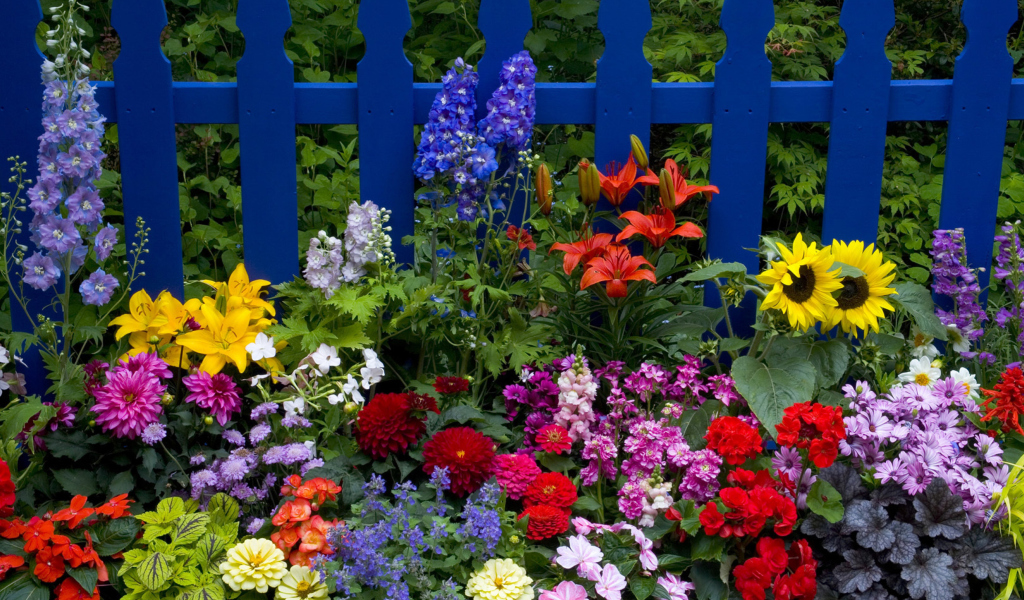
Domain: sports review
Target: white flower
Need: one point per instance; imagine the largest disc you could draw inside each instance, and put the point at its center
(928, 351)
(4, 356)
(325, 357)
(335, 398)
(311, 446)
(294, 407)
(967, 378)
(4, 386)
(262, 347)
(957, 340)
(921, 372)
(374, 369)
(351, 389)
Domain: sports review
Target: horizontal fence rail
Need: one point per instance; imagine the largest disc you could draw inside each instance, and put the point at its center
(385, 103)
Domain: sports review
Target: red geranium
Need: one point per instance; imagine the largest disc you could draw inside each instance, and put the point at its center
(553, 489)
(813, 427)
(6, 491)
(802, 584)
(754, 576)
(554, 439)
(451, 385)
(733, 439)
(1008, 396)
(749, 509)
(545, 521)
(467, 453)
(386, 424)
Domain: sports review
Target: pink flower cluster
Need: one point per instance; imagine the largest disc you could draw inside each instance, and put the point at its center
(130, 399)
(577, 390)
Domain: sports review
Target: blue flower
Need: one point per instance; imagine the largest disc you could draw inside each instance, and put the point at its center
(98, 288)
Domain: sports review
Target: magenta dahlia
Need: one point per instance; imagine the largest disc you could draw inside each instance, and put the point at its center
(515, 473)
(217, 394)
(128, 402)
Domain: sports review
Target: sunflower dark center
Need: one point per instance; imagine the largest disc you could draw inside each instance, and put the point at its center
(854, 294)
(802, 287)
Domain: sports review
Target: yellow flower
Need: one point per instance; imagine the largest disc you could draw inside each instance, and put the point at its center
(151, 326)
(255, 564)
(239, 286)
(301, 584)
(142, 316)
(223, 338)
(801, 283)
(500, 579)
(861, 301)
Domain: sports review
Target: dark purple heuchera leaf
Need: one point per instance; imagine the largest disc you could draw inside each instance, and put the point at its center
(890, 494)
(905, 543)
(986, 555)
(939, 512)
(930, 575)
(846, 480)
(858, 573)
(877, 592)
(870, 521)
(832, 535)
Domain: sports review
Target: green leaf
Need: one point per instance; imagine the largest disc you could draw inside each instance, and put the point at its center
(707, 581)
(917, 301)
(770, 390)
(77, 481)
(556, 462)
(15, 417)
(222, 509)
(23, 586)
(586, 503)
(114, 536)
(85, 576)
(708, 548)
(209, 549)
(642, 587)
(824, 500)
(694, 423)
(62, 444)
(122, 483)
(189, 528)
(717, 270)
(155, 570)
(830, 358)
(846, 270)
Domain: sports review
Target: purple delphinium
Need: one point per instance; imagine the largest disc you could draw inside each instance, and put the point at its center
(451, 116)
(512, 108)
(98, 288)
(953, 278)
(40, 271)
(1009, 269)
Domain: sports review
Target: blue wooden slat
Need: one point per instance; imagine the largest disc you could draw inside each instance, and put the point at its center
(266, 114)
(977, 128)
(623, 96)
(21, 98)
(504, 24)
(860, 110)
(145, 116)
(386, 143)
(739, 141)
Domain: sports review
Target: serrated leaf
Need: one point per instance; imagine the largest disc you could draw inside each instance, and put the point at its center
(189, 528)
(824, 500)
(694, 423)
(642, 587)
(770, 390)
(222, 508)
(154, 571)
(917, 301)
(716, 270)
(77, 481)
(114, 536)
(930, 575)
(209, 550)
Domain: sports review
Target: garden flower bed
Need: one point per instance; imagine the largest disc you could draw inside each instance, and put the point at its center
(558, 398)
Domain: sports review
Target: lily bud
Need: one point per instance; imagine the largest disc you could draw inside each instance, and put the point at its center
(545, 193)
(590, 183)
(667, 190)
(639, 152)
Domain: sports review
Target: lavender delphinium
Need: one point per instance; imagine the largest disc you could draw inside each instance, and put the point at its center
(331, 261)
(512, 108)
(1009, 269)
(953, 278)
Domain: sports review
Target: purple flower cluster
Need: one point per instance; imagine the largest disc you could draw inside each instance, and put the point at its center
(1009, 269)
(953, 278)
(538, 395)
(512, 108)
(66, 205)
(700, 472)
(915, 434)
(789, 465)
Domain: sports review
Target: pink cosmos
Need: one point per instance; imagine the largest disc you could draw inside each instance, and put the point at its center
(128, 403)
(581, 554)
(566, 590)
(217, 394)
(675, 587)
(610, 583)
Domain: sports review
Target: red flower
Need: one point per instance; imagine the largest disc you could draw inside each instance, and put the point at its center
(545, 521)
(657, 228)
(69, 589)
(293, 511)
(750, 509)
(8, 562)
(386, 425)
(291, 483)
(711, 519)
(752, 578)
(75, 513)
(49, 566)
(620, 181)
(11, 530)
(451, 385)
(553, 489)
(116, 507)
(801, 585)
(521, 237)
(733, 439)
(617, 266)
(684, 191)
(813, 427)
(467, 453)
(422, 403)
(554, 439)
(6, 491)
(773, 551)
(312, 536)
(37, 532)
(1009, 401)
(582, 251)
(318, 490)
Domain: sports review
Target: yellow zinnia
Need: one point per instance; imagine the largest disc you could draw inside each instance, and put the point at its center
(801, 283)
(861, 301)
(255, 564)
(223, 338)
(301, 584)
(500, 579)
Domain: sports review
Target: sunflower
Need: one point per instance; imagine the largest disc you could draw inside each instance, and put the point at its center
(861, 301)
(801, 283)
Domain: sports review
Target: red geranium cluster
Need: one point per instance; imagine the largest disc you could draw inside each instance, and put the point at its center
(467, 453)
(547, 502)
(392, 422)
(815, 428)
(753, 500)
(790, 575)
(450, 386)
(296, 522)
(733, 439)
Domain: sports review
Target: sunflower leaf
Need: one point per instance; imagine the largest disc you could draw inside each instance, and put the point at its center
(771, 389)
(917, 301)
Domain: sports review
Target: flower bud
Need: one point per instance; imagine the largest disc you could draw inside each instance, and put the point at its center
(667, 190)
(166, 399)
(351, 408)
(545, 193)
(92, 422)
(639, 152)
(208, 420)
(590, 183)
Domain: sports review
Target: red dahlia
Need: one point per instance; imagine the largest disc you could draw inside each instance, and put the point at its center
(733, 439)
(386, 424)
(467, 453)
(450, 386)
(423, 402)
(553, 489)
(554, 439)
(813, 427)
(545, 521)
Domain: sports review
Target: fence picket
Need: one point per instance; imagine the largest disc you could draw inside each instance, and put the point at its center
(977, 128)
(504, 24)
(386, 143)
(624, 82)
(266, 124)
(145, 127)
(860, 111)
(739, 139)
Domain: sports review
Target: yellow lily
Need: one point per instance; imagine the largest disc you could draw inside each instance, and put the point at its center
(143, 314)
(240, 286)
(223, 338)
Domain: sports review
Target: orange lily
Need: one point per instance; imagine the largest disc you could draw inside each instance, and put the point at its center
(617, 266)
(657, 228)
(582, 251)
(521, 237)
(684, 190)
(620, 181)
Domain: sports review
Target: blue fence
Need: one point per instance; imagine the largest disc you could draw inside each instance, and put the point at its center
(385, 103)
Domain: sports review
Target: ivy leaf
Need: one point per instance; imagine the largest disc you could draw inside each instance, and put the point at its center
(870, 522)
(917, 301)
(929, 575)
(858, 573)
(824, 500)
(988, 555)
(905, 543)
(939, 512)
(771, 389)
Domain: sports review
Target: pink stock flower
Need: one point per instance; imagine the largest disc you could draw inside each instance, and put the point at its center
(566, 590)
(581, 554)
(610, 583)
(217, 394)
(128, 403)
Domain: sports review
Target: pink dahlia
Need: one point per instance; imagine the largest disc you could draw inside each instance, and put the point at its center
(129, 402)
(515, 473)
(217, 394)
(148, 363)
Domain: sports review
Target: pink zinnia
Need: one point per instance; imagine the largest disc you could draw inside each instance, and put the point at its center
(128, 403)
(515, 473)
(217, 394)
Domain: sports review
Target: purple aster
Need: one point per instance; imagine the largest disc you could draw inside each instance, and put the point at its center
(201, 480)
(254, 526)
(267, 408)
(892, 470)
(234, 469)
(98, 288)
(292, 421)
(234, 437)
(787, 460)
(58, 235)
(241, 491)
(40, 271)
(312, 464)
(916, 478)
(198, 459)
